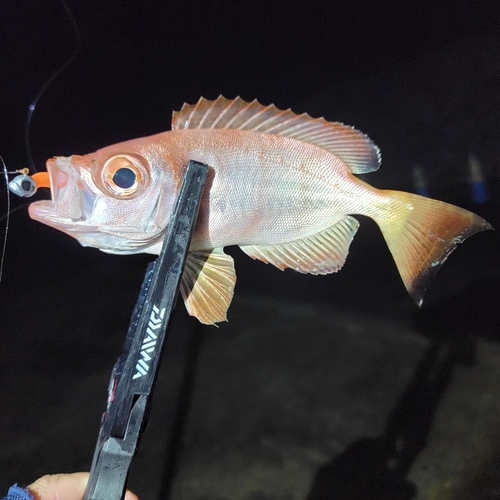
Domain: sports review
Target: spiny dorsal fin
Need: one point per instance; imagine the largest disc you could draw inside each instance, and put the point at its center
(321, 253)
(207, 285)
(352, 146)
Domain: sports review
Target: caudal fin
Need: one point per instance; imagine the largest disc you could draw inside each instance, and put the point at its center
(421, 233)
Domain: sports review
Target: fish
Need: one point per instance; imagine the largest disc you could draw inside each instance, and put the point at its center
(281, 186)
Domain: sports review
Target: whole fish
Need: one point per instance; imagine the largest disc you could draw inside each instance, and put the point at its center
(281, 186)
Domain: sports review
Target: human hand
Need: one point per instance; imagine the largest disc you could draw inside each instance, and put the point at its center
(64, 487)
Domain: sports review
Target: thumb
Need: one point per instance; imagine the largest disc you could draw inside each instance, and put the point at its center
(60, 486)
(64, 487)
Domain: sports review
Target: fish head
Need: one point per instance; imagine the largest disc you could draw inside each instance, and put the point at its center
(118, 199)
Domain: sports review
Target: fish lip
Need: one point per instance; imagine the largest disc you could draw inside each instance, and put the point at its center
(58, 169)
(72, 202)
(45, 211)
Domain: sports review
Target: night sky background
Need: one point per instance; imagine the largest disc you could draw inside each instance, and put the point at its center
(421, 78)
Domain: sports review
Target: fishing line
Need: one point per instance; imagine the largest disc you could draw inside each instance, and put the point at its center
(32, 106)
(14, 210)
(7, 217)
(17, 185)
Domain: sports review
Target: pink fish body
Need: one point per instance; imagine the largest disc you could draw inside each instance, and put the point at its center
(281, 186)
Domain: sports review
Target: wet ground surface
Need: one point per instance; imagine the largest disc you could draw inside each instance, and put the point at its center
(318, 387)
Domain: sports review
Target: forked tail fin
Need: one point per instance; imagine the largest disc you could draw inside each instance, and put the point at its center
(421, 233)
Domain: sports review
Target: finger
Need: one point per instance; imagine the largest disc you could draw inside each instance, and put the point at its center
(130, 496)
(60, 486)
(65, 487)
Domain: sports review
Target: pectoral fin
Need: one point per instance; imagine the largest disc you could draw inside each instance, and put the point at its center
(321, 253)
(207, 285)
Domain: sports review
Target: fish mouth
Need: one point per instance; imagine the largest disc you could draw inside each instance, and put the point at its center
(75, 209)
(72, 201)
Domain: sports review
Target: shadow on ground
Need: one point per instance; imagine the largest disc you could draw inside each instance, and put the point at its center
(376, 468)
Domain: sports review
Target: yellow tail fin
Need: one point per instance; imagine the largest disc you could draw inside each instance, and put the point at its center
(421, 233)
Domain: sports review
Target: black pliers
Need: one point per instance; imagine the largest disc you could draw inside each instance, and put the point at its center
(134, 374)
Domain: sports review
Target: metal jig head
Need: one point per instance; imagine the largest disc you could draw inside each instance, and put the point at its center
(26, 186)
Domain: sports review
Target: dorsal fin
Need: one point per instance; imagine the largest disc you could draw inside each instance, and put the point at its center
(350, 145)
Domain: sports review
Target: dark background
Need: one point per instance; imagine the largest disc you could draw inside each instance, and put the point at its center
(422, 79)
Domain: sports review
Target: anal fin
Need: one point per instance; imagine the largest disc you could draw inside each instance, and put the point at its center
(207, 285)
(321, 253)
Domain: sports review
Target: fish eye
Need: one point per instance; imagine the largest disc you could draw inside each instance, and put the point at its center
(125, 176)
